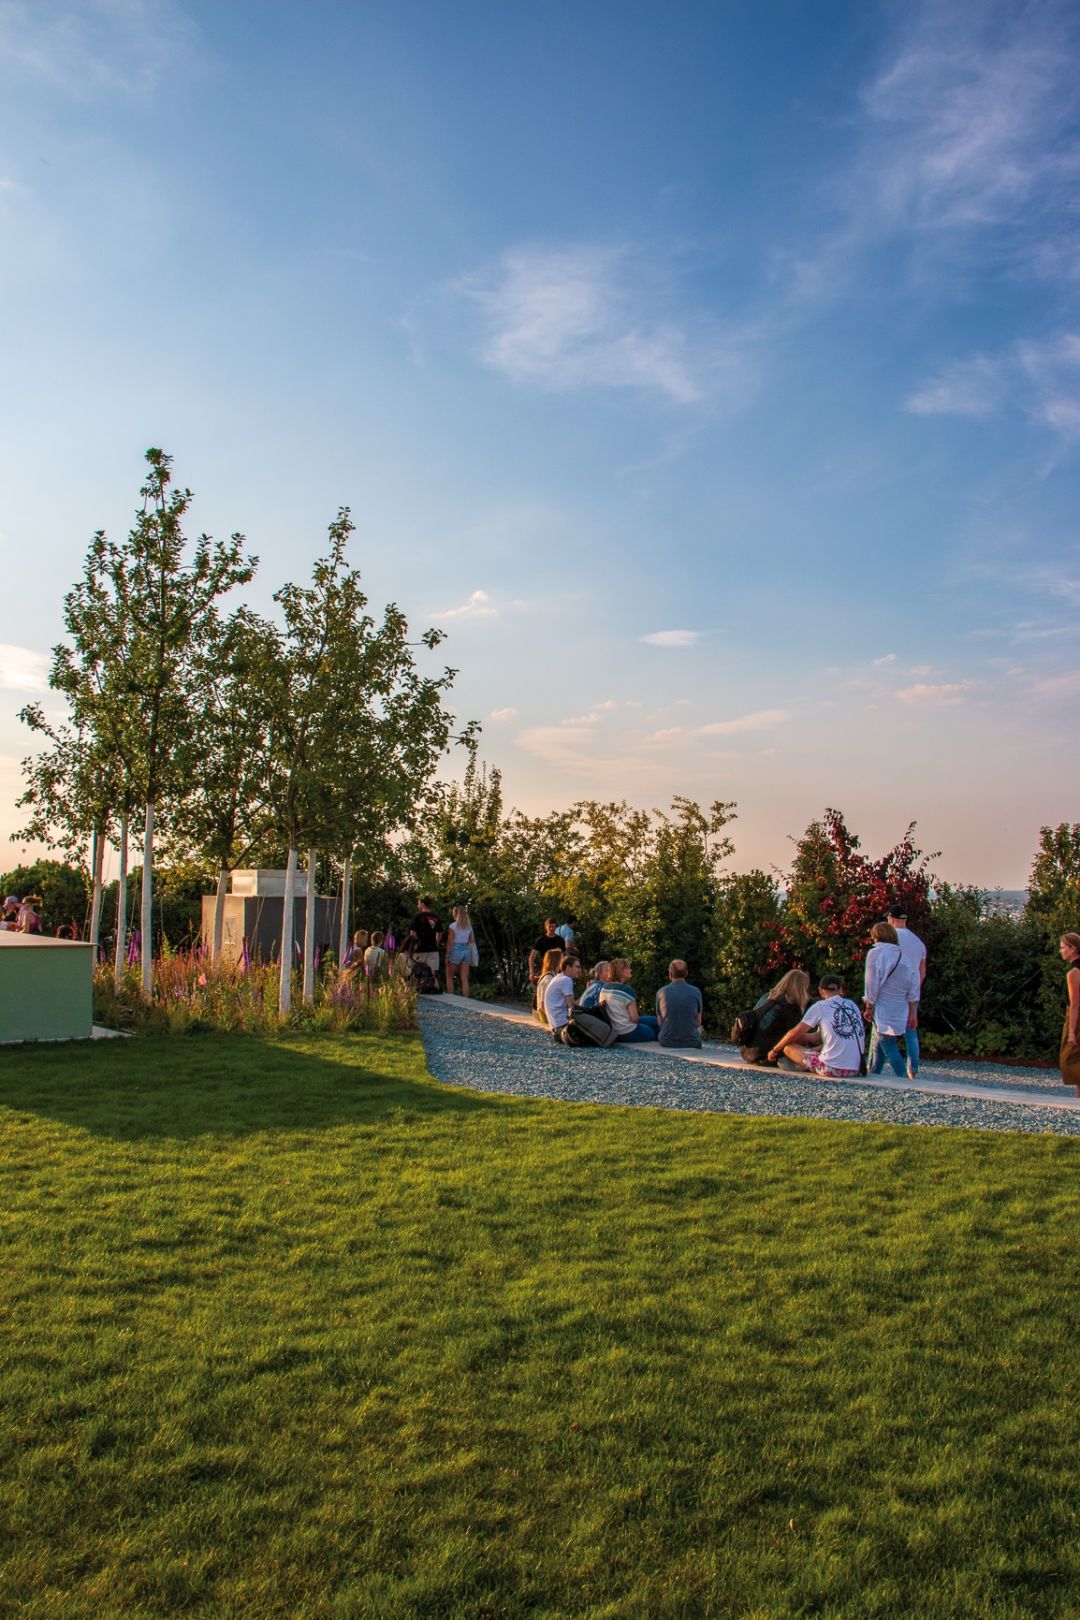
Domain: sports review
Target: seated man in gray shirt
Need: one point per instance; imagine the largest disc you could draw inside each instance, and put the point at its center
(678, 1007)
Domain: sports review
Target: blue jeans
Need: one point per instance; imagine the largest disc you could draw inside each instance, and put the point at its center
(884, 1046)
(911, 1042)
(646, 1029)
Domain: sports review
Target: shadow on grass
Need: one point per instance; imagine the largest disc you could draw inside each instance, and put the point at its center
(226, 1086)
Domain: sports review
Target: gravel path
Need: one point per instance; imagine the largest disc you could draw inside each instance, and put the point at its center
(488, 1054)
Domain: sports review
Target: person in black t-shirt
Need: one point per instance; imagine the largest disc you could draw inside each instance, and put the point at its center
(549, 940)
(428, 932)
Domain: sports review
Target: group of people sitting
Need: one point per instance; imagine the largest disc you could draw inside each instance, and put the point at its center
(676, 1022)
(832, 1036)
(21, 916)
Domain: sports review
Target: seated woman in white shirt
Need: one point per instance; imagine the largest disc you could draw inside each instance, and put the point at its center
(548, 969)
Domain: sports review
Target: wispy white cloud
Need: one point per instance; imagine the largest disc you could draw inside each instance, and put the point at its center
(588, 315)
(886, 658)
(478, 606)
(23, 669)
(672, 638)
(943, 695)
(503, 714)
(89, 48)
(974, 387)
(1042, 379)
(967, 132)
(759, 720)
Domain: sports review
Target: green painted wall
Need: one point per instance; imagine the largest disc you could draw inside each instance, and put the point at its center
(45, 989)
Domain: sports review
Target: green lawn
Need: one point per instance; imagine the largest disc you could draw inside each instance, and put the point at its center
(290, 1330)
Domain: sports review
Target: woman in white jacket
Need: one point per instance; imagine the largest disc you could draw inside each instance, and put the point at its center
(891, 998)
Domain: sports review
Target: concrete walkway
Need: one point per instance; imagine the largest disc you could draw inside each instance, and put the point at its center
(1053, 1095)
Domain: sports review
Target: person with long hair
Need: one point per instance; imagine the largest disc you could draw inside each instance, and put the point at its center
(549, 967)
(1070, 1031)
(778, 1010)
(460, 943)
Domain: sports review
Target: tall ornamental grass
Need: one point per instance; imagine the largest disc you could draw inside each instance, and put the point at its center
(192, 995)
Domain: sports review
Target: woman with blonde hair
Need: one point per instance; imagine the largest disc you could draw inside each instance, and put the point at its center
(1069, 1059)
(619, 1000)
(460, 950)
(598, 977)
(778, 1011)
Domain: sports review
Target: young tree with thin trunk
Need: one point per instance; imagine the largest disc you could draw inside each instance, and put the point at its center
(140, 619)
(358, 729)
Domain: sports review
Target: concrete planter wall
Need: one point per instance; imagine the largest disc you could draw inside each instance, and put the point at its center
(46, 989)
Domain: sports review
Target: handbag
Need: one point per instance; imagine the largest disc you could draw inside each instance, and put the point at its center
(474, 954)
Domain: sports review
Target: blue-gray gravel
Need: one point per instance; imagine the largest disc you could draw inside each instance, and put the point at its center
(488, 1054)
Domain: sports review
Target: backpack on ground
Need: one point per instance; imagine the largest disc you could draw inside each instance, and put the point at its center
(755, 1026)
(424, 981)
(588, 1028)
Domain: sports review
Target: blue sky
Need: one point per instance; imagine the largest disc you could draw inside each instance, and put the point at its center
(711, 372)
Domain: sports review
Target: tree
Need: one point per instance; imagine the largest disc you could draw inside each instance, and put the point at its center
(356, 731)
(140, 619)
(835, 894)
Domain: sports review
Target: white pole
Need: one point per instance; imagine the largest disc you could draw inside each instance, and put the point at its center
(285, 965)
(146, 920)
(343, 930)
(121, 905)
(309, 929)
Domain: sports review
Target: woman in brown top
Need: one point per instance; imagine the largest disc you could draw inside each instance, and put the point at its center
(1070, 1034)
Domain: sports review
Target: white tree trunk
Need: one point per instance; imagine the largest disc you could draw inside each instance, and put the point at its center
(146, 910)
(285, 982)
(97, 861)
(219, 914)
(121, 904)
(309, 929)
(343, 931)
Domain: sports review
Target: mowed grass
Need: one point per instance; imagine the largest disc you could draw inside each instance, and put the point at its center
(291, 1330)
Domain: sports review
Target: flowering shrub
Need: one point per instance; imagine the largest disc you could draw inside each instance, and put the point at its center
(191, 994)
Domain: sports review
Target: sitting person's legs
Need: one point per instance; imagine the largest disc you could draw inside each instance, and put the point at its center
(643, 1030)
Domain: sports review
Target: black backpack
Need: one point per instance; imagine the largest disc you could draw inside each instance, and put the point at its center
(424, 981)
(752, 1027)
(588, 1027)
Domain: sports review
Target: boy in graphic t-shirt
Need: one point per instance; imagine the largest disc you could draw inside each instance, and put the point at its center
(843, 1035)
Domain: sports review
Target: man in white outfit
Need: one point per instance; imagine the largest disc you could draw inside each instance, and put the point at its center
(915, 956)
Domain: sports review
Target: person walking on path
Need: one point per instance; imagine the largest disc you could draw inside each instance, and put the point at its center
(1070, 1033)
(460, 945)
(891, 997)
(915, 956)
(678, 1006)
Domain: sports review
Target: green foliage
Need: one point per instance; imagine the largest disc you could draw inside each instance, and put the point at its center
(744, 933)
(296, 1332)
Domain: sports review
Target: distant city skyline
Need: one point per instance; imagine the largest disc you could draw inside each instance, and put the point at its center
(710, 374)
